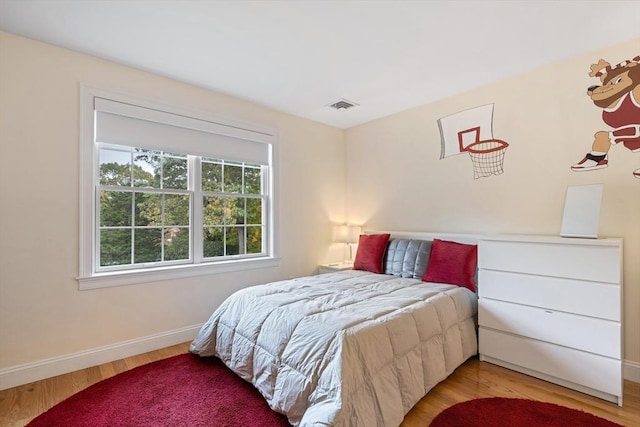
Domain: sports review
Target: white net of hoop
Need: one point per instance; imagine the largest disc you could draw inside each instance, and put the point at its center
(487, 158)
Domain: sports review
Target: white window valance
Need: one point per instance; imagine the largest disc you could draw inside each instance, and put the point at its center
(125, 124)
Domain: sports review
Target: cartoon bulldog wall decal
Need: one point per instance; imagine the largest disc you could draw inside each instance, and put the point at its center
(619, 98)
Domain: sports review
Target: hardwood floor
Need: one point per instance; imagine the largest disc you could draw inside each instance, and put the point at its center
(19, 405)
(475, 379)
(472, 380)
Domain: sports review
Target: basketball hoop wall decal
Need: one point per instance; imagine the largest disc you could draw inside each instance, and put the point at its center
(471, 131)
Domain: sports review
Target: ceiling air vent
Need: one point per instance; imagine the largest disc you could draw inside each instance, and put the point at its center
(343, 104)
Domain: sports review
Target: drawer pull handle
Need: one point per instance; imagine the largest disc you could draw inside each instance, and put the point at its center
(547, 311)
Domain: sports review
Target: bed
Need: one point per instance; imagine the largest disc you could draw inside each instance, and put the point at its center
(358, 347)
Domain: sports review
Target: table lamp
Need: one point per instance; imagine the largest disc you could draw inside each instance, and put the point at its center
(347, 234)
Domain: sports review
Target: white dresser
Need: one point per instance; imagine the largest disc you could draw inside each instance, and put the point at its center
(551, 307)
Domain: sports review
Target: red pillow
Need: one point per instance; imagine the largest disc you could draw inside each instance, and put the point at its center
(452, 262)
(371, 249)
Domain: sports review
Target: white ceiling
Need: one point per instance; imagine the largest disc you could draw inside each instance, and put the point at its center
(300, 56)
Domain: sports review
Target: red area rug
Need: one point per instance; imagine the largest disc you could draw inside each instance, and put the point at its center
(184, 390)
(503, 412)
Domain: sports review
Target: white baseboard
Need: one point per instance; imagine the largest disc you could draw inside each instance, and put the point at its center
(47, 368)
(631, 371)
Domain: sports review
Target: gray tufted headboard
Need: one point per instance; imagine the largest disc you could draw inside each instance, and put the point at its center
(407, 257)
(408, 252)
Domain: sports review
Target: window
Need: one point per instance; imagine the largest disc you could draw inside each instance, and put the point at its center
(167, 193)
(145, 203)
(233, 208)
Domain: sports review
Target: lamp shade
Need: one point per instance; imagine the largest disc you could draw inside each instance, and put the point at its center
(346, 233)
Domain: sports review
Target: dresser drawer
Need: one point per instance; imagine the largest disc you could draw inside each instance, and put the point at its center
(601, 300)
(583, 333)
(586, 369)
(598, 263)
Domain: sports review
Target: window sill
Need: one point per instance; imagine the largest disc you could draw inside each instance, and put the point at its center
(121, 278)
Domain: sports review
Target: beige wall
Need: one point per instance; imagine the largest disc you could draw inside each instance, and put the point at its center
(42, 312)
(396, 181)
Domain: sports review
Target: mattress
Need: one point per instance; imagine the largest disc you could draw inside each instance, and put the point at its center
(350, 348)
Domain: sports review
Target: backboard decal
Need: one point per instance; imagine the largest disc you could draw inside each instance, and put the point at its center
(471, 131)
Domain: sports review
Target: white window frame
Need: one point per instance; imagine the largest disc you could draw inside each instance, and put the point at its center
(89, 275)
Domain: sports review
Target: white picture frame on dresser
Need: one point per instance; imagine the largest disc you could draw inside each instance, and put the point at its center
(551, 307)
(581, 214)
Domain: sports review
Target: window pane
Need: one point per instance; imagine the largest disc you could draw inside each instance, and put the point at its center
(148, 209)
(115, 208)
(146, 168)
(115, 247)
(176, 243)
(236, 213)
(142, 177)
(174, 173)
(254, 211)
(213, 242)
(252, 180)
(254, 240)
(147, 245)
(176, 209)
(235, 240)
(211, 177)
(115, 167)
(232, 179)
(213, 212)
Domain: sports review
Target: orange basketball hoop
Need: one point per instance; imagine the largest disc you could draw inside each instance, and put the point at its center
(487, 157)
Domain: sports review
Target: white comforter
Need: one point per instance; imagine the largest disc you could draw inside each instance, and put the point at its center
(343, 349)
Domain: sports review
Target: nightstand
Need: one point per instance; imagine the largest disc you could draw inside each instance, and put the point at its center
(335, 266)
